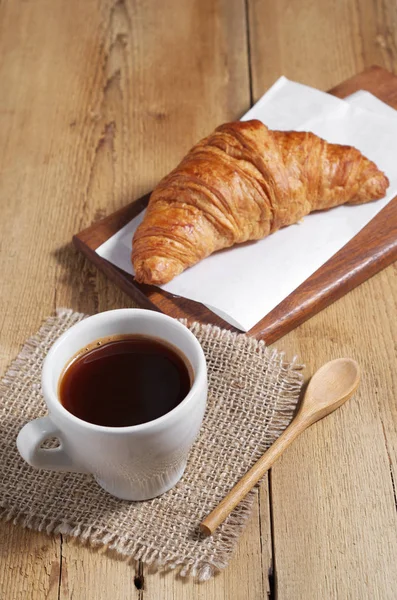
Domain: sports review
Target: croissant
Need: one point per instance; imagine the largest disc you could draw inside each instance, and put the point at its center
(242, 183)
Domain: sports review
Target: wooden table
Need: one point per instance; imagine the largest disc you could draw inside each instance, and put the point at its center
(99, 99)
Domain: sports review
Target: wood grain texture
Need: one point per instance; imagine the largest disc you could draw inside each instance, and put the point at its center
(98, 100)
(233, 584)
(319, 43)
(83, 575)
(372, 249)
(29, 564)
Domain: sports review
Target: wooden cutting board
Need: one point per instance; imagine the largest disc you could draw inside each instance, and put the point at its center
(372, 249)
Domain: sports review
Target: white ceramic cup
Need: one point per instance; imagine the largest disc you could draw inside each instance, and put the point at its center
(132, 463)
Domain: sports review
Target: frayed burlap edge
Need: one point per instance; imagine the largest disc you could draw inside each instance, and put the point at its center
(104, 541)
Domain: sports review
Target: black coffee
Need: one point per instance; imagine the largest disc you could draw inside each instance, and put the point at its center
(124, 380)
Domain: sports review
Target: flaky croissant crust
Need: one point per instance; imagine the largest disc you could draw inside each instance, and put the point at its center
(242, 183)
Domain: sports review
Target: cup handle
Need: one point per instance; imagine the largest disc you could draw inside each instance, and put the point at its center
(29, 440)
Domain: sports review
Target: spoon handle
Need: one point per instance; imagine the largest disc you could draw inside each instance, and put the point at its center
(247, 482)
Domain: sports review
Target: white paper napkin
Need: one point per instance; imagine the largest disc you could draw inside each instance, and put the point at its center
(244, 283)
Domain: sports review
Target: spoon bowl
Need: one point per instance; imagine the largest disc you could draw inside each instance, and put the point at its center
(333, 384)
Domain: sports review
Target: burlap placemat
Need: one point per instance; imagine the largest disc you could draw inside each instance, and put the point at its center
(252, 394)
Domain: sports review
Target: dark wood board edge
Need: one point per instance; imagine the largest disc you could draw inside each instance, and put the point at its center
(309, 298)
(363, 263)
(375, 79)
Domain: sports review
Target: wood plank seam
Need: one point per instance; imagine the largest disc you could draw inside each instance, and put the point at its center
(393, 485)
(248, 41)
(139, 580)
(60, 566)
(272, 576)
(270, 573)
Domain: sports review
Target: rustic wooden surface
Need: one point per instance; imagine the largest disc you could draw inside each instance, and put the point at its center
(98, 99)
(370, 251)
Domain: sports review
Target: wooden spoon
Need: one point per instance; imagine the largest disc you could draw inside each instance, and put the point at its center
(333, 384)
